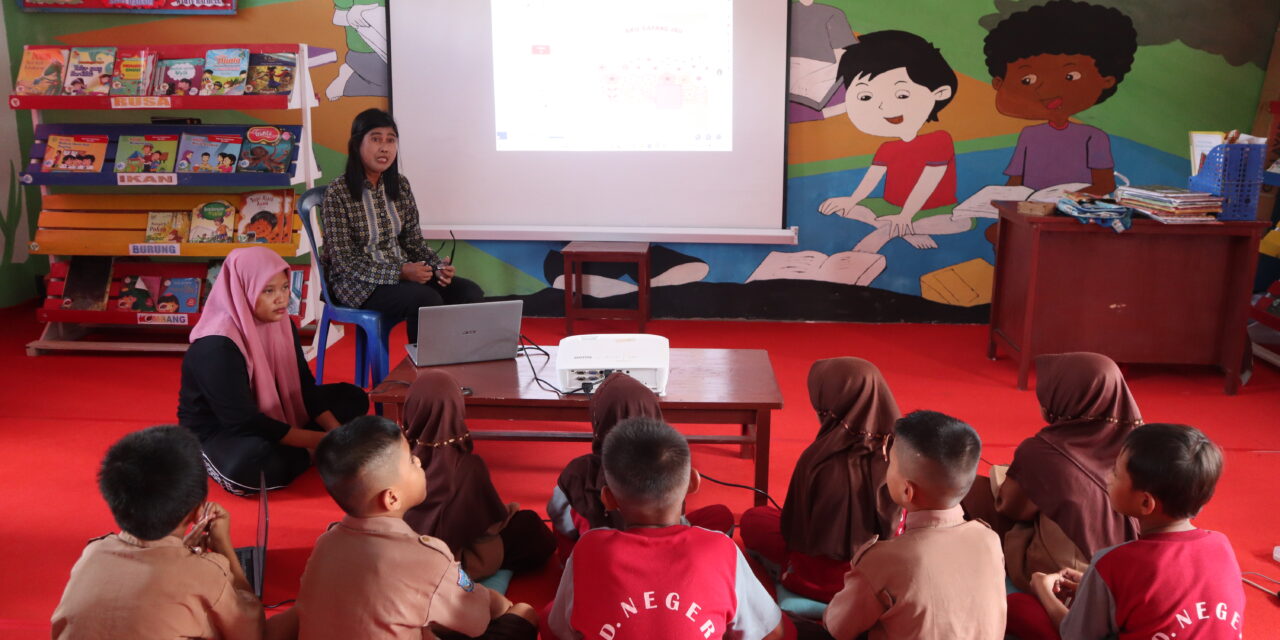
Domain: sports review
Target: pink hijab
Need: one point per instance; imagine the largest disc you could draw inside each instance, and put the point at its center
(268, 347)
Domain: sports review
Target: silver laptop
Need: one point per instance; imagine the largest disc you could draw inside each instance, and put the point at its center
(456, 333)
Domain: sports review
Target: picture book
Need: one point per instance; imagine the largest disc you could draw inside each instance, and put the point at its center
(270, 73)
(138, 293)
(81, 154)
(88, 283)
(168, 226)
(846, 267)
(296, 278)
(225, 72)
(213, 222)
(208, 154)
(146, 154)
(135, 69)
(40, 73)
(265, 217)
(979, 204)
(266, 150)
(179, 295)
(211, 276)
(178, 77)
(89, 71)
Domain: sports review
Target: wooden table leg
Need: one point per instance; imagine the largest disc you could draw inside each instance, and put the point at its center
(1026, 350)
(747, 450)
(643, 291)
(568, 295)
(762, 429)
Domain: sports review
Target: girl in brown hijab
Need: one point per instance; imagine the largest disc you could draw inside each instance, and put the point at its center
(1056, 487)
(575, 506)
(462, 506)
(837, 500)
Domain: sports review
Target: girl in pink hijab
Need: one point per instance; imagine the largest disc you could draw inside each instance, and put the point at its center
(247, 392)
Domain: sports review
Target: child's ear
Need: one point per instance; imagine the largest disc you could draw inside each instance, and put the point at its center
(1148, 504)
(607, 497)
(388, 499)
(695, 481)
(943, 93)
(909, 491)
(1108, 81)
(996, 82)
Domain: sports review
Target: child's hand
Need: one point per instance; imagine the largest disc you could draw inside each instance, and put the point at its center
(220, 530)
(898, 224)
(837, 206)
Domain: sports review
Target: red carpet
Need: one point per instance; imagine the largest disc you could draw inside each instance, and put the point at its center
(59, 413)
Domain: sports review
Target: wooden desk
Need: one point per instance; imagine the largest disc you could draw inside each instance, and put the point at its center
(705, 386)
(1156, 293)
(578, 254)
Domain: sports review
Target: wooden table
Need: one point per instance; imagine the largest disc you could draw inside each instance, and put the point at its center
(705, 386)
(1156, 293)
(578, 254)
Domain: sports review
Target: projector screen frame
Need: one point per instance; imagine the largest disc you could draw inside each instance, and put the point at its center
(783, 235)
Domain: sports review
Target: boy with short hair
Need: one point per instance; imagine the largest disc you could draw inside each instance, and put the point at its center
(1174, 581)
(145, 582)
(371, 575)
(943, 577)
(656, 578)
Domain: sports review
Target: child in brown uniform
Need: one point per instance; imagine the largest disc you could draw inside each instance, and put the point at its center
(371, 575)
(943, 577)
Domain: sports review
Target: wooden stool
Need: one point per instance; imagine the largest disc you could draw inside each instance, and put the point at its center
(576, 254)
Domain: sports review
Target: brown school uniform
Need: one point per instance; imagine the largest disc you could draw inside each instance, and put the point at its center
(123, 587)
(377, 578)
(942, 578)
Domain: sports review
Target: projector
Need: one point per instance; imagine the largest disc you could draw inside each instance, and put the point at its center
(591, 358)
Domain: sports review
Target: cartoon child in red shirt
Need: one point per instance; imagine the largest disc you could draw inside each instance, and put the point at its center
(898, 81)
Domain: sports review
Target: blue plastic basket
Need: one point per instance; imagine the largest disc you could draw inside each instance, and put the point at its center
(1233, 171)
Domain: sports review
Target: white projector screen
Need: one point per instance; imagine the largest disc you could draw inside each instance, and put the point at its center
(593, 119)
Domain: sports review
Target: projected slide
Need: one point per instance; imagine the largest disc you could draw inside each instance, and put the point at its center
(594, 75)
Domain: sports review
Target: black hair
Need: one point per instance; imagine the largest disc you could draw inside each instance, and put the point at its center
(949, 442)
(206, 154)
(168, 297)
(264, 216)
(881, 51)
(152, 479)
(346, 451)
(1065, 27)
(364, 122)
(1176, 463)
(646, 460)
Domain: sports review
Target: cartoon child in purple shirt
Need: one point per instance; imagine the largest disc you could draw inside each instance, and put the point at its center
(1050, 63)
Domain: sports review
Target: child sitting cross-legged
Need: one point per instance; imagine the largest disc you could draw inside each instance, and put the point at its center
(1174, 581)
(371, 575)
(654, 577)
(943, 577)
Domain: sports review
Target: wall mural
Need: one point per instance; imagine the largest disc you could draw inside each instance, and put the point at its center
(903, 126)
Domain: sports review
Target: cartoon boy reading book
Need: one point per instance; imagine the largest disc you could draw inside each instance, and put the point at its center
(898, 81)
(1050, 63)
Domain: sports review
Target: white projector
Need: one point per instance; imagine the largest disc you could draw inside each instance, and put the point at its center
(591, 358)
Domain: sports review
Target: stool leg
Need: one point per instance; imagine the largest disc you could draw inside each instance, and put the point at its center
(362, 356)
(644, 291)
(568, 295)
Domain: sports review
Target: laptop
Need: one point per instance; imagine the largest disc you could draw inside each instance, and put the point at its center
(457, 333)
(254, 559)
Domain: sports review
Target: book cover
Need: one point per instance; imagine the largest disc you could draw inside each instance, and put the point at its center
(168, 226)
(136, 294)
(88, 283)
(179, 77)
(213, 222)
(846, 267)
(225, 72)
(146, 154)
(208, 154)
(179, 295)
(134, 70)
(40, 73)
(266, 150)
(270, 73)
(264, 217)
(79, 154)
(89, 71)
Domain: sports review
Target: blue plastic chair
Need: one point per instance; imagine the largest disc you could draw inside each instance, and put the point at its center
(372, 359)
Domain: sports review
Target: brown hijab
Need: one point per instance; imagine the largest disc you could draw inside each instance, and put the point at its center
(1063, 469)
(838, 498)
(617, 398)
(461, 500)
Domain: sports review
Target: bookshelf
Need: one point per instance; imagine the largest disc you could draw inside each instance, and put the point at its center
(113, 222)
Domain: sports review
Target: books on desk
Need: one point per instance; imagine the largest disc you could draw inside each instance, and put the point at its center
(1171, 205)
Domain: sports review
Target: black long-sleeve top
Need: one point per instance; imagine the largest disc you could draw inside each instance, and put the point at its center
(216, 398)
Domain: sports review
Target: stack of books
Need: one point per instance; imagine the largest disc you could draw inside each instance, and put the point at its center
(1171, 205)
